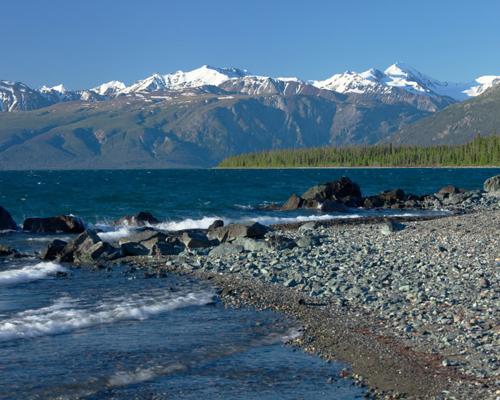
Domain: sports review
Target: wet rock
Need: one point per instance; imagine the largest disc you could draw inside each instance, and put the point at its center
(449, 190)
(141, 219)
(146, 238)
(79, 246)
(6, 221)
(53, 250)
(7, 251)
(324, 191)
(59, 224)
(393, 196)
(373, 202)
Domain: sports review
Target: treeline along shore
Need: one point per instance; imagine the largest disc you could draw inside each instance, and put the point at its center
(479, 152)
(411, 304)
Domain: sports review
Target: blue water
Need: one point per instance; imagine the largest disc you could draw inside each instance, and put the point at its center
(115, 335)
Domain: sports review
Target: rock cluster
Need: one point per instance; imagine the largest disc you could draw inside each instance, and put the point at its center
(344, 195)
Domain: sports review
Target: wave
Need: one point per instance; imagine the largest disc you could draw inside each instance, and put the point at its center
(172, 366)
(67, 315)
(189, 223)
(30, 273)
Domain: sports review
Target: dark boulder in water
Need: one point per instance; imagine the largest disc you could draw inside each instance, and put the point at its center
(7, 251)
(59, 224)
(6, 221)
(141, 219)
(53, 250)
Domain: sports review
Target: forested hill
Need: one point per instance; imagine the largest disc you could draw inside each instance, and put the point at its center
(481, 151)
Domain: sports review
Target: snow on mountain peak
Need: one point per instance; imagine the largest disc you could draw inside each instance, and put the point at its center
(109, 88)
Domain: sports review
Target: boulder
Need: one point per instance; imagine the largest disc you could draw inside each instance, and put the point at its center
(293, 203)
(323, 191)
(227, 248)
(216, 224)
(141, 219)
(6, 221)
(79, 246)
(162, 249)
(7, 251)
(308, 241)
(373, 202)
(390, 227)
(53, 250)
(345, 187)
(100, 251)
(146, 238)
(59, 224)
(134, 249)
(195, 240)
(253, 245)
(449, 190)
(231, 232)
(492, 184)
(393, 196)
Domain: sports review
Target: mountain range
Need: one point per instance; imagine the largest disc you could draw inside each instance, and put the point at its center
(196, 118)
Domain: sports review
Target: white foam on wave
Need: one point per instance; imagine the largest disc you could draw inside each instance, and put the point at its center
(112, 235)
(30, 273)
(189, 223)
(67, 315)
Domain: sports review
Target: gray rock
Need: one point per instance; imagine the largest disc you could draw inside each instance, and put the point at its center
(7, 251)
(309, 226)
(232, 232)
(162, 248)
(227, 248)
(135, 249)
(145, 238)
(293, 203)
(390, 227)
(492, 184)
(307, 241)
(195, 240)
(80, 245)
(323, 191)
(254, 245)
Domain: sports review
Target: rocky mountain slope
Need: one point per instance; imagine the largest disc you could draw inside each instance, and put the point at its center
(456, 124)
(195, 119)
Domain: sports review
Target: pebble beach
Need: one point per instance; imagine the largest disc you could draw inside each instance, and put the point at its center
(411, 304)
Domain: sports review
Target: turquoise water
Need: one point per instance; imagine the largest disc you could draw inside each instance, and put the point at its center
(114, 335)
(179, 195)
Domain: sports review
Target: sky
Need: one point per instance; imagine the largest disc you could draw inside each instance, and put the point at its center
(83, 44)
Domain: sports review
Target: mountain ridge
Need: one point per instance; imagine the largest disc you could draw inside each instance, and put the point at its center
(397, 77)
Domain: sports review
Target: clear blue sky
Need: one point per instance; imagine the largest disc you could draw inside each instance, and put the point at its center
(85, 43)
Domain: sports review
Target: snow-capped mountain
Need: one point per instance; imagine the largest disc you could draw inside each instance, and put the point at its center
(110, 88)
(399, 82)
(203, 76)
(405, 77)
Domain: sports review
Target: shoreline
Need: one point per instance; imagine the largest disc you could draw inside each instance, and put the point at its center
(387, 352)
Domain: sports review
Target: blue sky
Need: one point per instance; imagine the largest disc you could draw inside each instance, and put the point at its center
(85, 43)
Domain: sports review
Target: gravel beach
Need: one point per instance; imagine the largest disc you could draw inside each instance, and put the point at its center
(411, 304)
